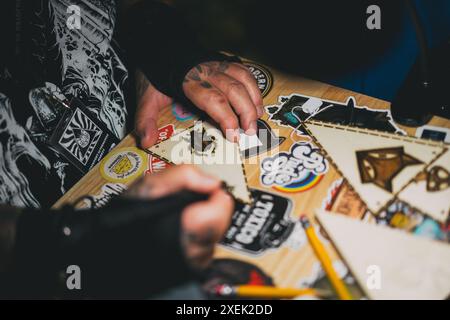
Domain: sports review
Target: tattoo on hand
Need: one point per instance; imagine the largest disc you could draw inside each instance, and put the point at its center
(206, 84)
(206, 69)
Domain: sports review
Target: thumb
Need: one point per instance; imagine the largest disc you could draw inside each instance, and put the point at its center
(147, 114)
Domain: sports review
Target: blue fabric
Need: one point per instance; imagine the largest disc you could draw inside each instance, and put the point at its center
(383, 78)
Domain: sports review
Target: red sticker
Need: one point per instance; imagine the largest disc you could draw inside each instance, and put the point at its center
(165, 132)
(155, 164)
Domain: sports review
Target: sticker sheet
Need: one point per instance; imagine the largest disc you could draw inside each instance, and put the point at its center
(430, 190)
(388, 263)
(377, 165)
(205, 146)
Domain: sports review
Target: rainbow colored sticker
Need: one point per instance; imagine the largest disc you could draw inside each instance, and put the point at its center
(299, 170)
(181, 113)
(309, 182)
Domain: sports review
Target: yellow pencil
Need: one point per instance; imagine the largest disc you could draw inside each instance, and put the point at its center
(319, 250)
(267, 292)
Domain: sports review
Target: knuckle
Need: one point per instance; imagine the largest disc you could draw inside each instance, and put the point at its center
(216, 98)
(247, 76)
(187, 171)
(235, 87)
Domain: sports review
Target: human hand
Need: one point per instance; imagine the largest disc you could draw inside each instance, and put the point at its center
(228, 93)
(202, 223)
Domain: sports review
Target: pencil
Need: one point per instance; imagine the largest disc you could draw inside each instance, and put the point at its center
(266, 292)
(319, 250)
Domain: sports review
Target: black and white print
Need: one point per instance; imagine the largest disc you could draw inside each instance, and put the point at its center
(261, 226)
(15, 143)
(63, 63)
(296, 108)
(91, 70)
(81, 136)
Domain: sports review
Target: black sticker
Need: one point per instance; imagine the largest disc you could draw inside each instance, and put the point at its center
(434, 135)
(268, 139)
(296, 108)
(263, 77)
(264, 225)
(82, 138)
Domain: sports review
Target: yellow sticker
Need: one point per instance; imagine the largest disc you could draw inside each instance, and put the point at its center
(124, 165)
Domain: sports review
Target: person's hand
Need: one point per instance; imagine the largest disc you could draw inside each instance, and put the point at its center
(226, 91)
(150, 102)
(203, 223)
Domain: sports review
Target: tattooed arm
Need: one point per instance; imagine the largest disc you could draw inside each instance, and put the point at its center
(178, 67)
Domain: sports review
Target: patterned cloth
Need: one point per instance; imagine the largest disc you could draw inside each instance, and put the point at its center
(55, 63)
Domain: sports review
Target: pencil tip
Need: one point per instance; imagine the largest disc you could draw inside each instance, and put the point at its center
(304, 220)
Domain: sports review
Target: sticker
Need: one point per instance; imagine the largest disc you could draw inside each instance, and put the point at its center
(413, 266)
(247, 142)
(377, 174)
(123, 165)
(430, 229)
(107, 192)
(267, 138)
(296, 107)
(434, 133)
(381, 166)
(401, 215)
(82, 138)
(181, 113)
(332, 193)
(429, 191)
(205, 146)
(156, 164)
(299, 170)
(342, 199)
(263, 77)
(261, 226)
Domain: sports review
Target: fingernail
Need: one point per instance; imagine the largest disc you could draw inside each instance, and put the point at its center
(232, 135)
(252, 128)
(237, 135)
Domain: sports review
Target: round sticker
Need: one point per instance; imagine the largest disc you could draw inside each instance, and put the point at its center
(123, 165)
(263, 76)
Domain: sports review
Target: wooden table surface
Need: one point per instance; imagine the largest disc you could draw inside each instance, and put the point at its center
(287, 265)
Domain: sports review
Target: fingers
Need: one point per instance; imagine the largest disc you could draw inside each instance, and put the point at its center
(216, 105)
(209, 219)
(203, 225)
(146, 125)
(243, 75)
(147, 114)
(175, 179)
(224, 91)
(239, 97)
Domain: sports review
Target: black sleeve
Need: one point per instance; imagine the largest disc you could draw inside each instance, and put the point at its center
(122, 251)
(163, 46)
